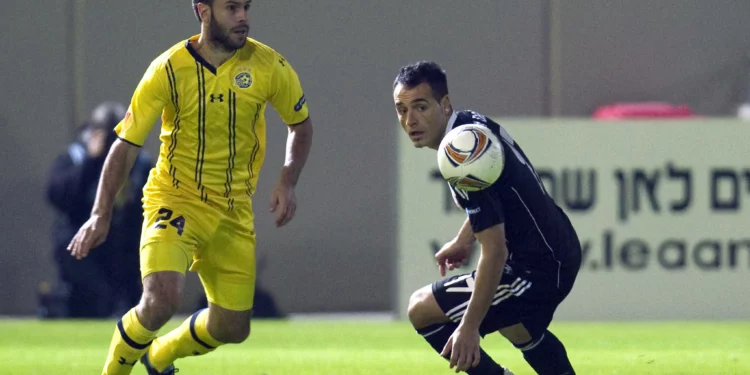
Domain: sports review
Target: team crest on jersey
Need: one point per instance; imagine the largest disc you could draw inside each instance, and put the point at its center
(242, 77)
(243, 80)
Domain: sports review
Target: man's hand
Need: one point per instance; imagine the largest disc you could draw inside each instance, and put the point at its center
(91, 234)
(463, 347)
(284, 202)
(453, 254)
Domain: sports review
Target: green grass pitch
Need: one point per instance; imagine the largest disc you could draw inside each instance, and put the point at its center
(29, 347)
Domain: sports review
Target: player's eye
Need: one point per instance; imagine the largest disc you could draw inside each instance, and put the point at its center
(422, 108)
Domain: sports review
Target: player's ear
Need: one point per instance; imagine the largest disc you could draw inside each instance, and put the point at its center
(445, 105)
(203, 11)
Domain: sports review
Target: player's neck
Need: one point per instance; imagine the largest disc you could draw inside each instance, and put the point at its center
(436, 145)
(214, 54)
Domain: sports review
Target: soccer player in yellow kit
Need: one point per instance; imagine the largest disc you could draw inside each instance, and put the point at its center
(211, 91)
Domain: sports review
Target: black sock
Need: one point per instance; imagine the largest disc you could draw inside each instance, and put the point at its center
(547, 356)
(438, 334)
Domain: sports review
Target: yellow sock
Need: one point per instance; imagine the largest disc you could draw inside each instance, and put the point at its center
(130, 341)
(190, 338)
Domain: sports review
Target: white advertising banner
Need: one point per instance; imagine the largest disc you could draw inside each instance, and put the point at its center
(662, 209)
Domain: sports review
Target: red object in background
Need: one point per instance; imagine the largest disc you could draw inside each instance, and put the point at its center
(643, 110)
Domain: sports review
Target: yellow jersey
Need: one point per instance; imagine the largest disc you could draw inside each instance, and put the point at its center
(213, 133)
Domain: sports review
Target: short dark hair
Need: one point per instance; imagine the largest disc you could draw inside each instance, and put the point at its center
(195, 6)
(429, 72)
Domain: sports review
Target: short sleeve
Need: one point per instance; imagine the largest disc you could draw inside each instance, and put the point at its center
(146, 105)
(483, 208)
(286, 94)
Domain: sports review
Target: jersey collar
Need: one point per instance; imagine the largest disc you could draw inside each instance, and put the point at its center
(199, 58)
(451, 121)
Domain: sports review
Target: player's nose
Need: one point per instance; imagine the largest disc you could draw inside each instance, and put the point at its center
(242, 18)
(411, 119)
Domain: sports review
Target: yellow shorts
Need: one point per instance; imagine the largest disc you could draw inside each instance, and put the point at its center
(218, 244)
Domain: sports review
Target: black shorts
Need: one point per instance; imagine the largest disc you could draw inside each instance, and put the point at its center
(524, 295)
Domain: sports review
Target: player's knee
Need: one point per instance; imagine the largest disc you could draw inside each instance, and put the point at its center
(517, 334)
(414, 309)
(232, 333)
(158, 305)
(423, 310)
(157, 309)
(237, 335)
(228, 326)
(167, 300)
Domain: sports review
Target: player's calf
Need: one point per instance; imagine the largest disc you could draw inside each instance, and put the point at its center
(200, 334)
(135, 331)
(191, 338)
(546, 355)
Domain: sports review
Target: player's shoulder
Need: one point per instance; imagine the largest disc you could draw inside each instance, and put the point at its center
(260, 53)
(176, 55)
(468, 116)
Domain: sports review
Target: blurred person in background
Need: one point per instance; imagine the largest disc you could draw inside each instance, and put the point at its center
(108, 282)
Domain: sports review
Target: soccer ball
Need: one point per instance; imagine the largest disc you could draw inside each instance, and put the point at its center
(470, 157)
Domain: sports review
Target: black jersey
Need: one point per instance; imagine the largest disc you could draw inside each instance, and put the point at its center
(538, 232)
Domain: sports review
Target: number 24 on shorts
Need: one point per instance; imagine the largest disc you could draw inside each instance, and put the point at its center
(166, 214)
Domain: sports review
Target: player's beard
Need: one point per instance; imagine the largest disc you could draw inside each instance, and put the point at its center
(223, 38)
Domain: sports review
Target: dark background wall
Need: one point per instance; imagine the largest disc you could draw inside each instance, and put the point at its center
(504, 58)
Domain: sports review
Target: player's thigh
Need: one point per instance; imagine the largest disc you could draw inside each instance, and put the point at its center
(452, 295)
(509, 303)
(171, 232)
(226, 266)
(525, 302)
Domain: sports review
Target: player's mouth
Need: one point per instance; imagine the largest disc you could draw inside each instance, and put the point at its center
(240, 31)
(415, 134)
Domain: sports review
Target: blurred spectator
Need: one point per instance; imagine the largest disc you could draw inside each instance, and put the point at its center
(107, 282)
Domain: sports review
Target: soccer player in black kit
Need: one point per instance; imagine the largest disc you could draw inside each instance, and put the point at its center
(530, 252)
